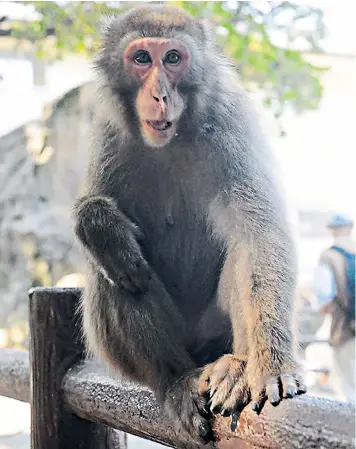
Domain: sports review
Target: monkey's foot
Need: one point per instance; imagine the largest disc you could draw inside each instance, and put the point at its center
(188, 409)
(275, 388)
(225, 383)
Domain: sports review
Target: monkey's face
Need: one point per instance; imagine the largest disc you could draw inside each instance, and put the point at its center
(159, 66)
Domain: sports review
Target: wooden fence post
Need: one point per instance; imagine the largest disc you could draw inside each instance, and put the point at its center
(55, 347)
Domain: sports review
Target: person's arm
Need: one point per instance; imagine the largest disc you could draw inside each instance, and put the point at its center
(324, 287)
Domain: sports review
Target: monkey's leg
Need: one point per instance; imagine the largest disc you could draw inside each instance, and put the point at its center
(145, 341)
(112, 241)
(267, 302)
(261, 286)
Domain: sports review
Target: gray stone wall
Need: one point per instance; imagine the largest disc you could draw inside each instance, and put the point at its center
(42, 168)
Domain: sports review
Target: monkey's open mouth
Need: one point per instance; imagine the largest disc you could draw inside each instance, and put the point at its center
(158, 132)
(159, 125)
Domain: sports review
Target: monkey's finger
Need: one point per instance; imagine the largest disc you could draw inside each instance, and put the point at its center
(289, 385)
(215, 407)
(203, 407)
(237, 400)
(235, 420)
(273, 390)
(302, 388)
(239, 406)
(259, 398)
(221, 379)
(222, 392)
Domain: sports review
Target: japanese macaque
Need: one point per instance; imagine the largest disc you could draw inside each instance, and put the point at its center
(191, 267)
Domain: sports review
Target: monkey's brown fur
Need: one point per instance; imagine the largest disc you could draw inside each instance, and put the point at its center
(190, 261)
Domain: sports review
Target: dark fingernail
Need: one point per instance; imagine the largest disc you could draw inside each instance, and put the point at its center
(291, 392)
(235, 421)
(275, 399)
(216, 409)
(206, 410)
(255, 407)
(226, 412)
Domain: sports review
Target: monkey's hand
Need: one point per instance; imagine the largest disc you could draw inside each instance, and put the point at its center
(188, 409)
(224, 381)
(112, 240)
(274, 388)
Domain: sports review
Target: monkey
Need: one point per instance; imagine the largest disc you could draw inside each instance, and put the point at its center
(191, 268)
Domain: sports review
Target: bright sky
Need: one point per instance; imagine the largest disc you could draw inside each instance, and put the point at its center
(339, 16)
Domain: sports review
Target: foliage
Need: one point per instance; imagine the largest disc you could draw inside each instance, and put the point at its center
(262, 38)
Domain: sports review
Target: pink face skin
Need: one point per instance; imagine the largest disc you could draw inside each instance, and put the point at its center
(159, 65)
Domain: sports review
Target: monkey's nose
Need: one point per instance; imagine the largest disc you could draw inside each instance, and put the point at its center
(161, 98)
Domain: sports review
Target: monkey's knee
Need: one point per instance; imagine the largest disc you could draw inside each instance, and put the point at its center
(93, 214)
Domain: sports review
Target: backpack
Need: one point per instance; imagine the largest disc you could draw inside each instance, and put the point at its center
(350, 275)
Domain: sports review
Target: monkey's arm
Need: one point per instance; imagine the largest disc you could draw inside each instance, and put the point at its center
(268, 307)
(262, 286)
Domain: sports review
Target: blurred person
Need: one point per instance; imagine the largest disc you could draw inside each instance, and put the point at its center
(334, 288)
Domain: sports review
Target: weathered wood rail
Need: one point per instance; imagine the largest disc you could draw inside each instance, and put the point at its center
(75, 404)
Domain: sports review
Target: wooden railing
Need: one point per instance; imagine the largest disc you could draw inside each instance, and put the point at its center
(76, 405)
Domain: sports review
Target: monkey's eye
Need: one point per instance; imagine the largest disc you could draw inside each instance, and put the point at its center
(172, 57)
(142, 57)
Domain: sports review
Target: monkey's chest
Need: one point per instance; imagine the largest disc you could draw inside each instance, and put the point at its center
(169, 202)
(185, 258)
(178, 244)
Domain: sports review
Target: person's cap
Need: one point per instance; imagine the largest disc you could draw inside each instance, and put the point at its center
(339, 221)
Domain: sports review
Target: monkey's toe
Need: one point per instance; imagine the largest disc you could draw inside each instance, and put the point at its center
(198, 427)
(192, 422)
(187, 418)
